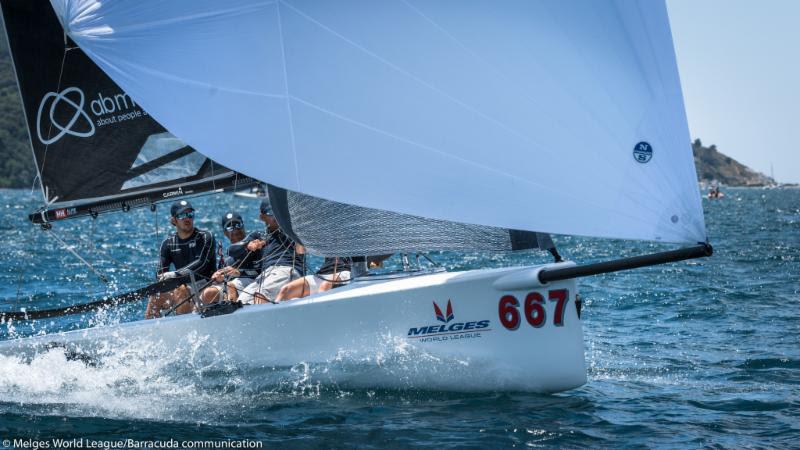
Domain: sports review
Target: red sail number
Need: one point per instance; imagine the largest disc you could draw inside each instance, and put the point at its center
(534, 309)
(509, 316)
(560, 296)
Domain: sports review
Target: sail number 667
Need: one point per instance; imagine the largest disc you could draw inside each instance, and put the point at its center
(533, 309)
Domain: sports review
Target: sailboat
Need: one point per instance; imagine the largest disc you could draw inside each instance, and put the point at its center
(379, 127)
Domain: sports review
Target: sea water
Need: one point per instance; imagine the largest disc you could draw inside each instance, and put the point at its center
(692, 354)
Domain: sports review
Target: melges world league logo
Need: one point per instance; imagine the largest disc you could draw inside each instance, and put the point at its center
(441, 317)
(448, 328)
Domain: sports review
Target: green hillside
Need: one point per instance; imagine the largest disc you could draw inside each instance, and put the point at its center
(16, 162)
(715, 167)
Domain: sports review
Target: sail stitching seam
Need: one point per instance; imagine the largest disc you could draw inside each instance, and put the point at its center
(288, 97)
(431, 149)
(420, 80)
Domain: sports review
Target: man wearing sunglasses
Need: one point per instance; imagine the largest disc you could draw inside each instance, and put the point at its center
(189, 249)
(281, 259)
(241, 266)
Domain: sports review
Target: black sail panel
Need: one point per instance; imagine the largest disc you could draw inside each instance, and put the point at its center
(91, 142)
(329, 228)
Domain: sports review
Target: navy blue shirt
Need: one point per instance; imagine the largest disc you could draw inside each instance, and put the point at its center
(247, 262)
(193, 254)
(280, 250)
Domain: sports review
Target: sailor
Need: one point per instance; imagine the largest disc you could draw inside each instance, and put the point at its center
(189, 250)
(282, 260)
(333, 272)
(241, 266)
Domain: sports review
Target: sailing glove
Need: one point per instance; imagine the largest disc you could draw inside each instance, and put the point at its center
(168, 275)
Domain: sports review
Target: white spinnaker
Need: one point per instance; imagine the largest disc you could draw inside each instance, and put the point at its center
(520, 114)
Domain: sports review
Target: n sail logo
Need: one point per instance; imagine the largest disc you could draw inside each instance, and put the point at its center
(448, 331)
(67, 113)
(643, 152)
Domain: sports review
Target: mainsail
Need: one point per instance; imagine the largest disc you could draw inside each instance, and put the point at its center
(95, 147)
(552, 115)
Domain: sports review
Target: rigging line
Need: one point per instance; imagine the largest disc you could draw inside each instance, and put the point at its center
(204, 287)
(90, 245)
(335, 277)
(74, 253)
(35, 179)
(425, 255)
(154, 208)
(21, 267)
(214, 178)
(89, 248)
(266, 239)
(271, 255)
(50, 128)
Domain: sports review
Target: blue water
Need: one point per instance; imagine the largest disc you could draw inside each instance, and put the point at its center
(694, 354)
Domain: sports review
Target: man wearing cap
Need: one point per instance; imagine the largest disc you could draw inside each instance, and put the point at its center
(241, 266)
(282, 260)
(188, 249)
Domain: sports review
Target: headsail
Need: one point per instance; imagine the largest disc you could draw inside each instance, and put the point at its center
(557, 116)
(95, 148)
(337, 229)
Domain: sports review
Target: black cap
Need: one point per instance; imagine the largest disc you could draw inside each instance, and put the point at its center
(179, 207)
(266, 207)
(231, 217)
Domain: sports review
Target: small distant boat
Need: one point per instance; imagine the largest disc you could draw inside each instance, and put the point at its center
(715, 193)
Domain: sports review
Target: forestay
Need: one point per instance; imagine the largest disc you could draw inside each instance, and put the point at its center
(556, 116)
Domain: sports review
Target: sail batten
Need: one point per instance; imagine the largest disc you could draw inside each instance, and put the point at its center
(557, 116)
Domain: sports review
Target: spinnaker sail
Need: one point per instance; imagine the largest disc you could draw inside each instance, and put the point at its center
(94, 146)
(557, 116)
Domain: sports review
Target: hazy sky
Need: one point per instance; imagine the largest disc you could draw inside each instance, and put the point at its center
(739, 62)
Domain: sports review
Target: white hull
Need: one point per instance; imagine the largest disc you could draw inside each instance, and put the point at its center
(369, 318)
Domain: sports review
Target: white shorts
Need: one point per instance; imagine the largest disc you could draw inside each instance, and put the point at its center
(238, 283)
(268, 283)
(314, 281)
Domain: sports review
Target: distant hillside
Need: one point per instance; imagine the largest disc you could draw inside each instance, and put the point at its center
(17, 169)
(715, 167)
(16, 163)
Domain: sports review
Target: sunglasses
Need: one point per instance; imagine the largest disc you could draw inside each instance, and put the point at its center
(234, 226)
(185, 215)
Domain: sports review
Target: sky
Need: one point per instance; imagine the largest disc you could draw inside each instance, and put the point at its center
(739, 62)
